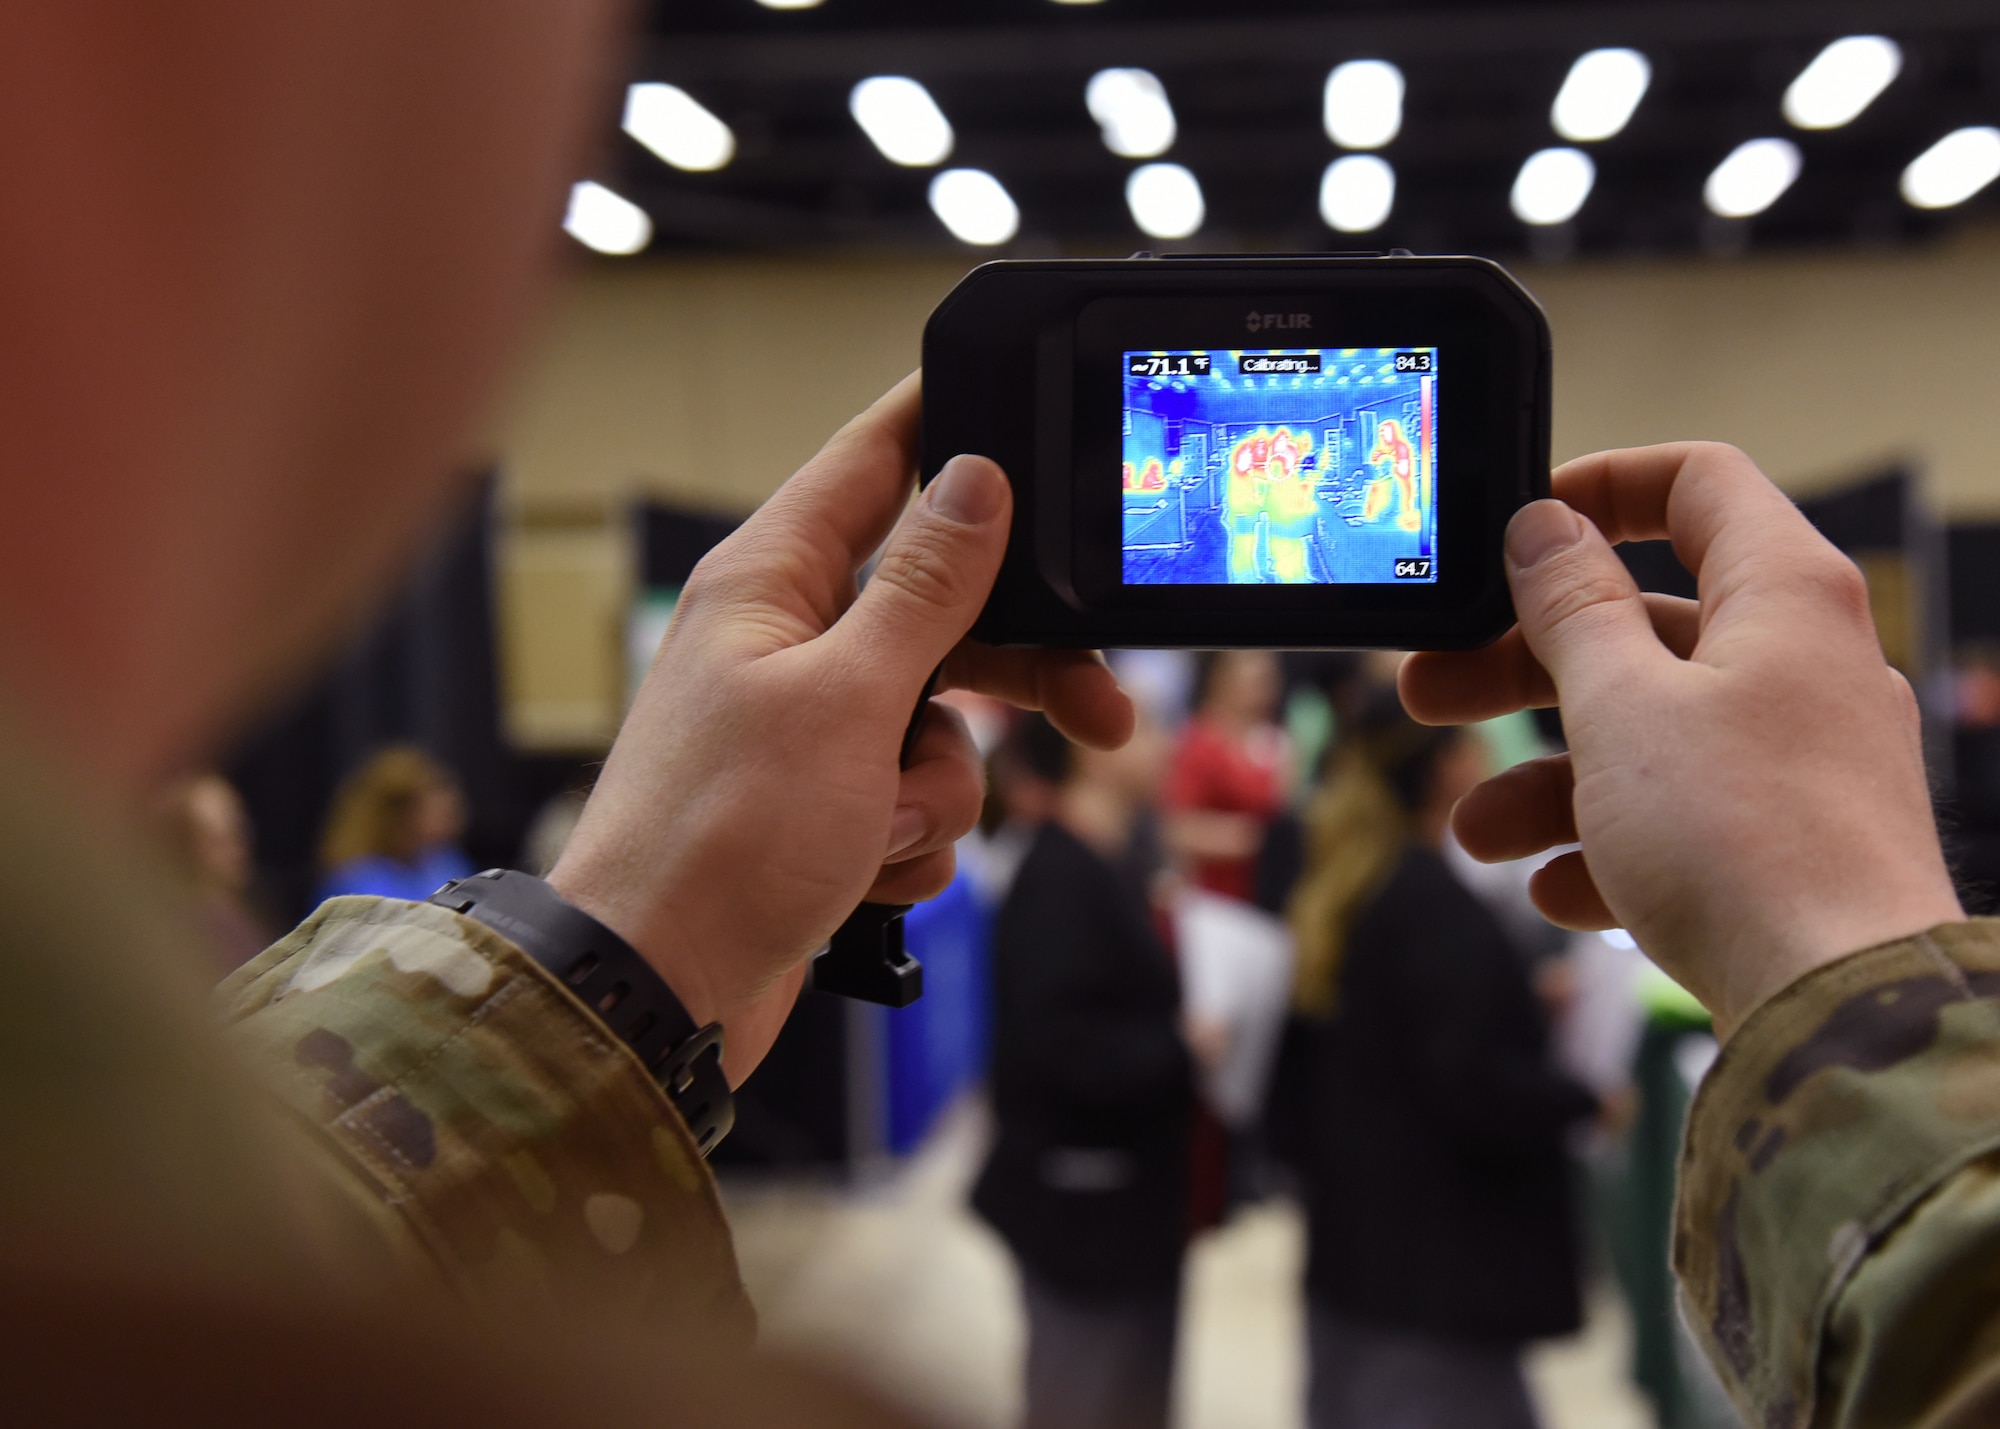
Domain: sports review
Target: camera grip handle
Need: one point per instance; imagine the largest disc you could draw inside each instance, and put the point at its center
(865, 959)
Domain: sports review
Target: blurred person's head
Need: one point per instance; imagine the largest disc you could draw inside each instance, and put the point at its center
(1238, 687)
(1133, 773)
(205, 832)
(399, 804)
(1389, 782)
(1060, 778)
(1976, 688)
(1030, 766)
(276, 259)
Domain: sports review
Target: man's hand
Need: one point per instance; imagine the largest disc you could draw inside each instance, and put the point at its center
(1745, 772)
(754, 796)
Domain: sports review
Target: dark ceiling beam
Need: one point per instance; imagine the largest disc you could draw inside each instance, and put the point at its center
(681, 211)
(1483, 30)
(1702, 134)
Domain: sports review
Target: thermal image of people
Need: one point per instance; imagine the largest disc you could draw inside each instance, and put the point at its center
(1291, 508)
(1280, 468)
(1244, 503)
(1393, 452)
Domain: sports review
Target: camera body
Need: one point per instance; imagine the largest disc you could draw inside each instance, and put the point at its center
(1291, 452)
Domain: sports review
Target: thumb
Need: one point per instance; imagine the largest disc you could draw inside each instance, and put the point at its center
(1580, 610)
(934, 574)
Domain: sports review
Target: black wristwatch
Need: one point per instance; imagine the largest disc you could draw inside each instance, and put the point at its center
(610, 978)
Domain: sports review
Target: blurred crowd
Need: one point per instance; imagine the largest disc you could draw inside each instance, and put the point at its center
(1244, 957)
(1239, 957)
(393, 831)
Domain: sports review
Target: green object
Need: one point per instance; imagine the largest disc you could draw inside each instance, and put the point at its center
(1668, 1004)
(1309, 723)
(1511, 739)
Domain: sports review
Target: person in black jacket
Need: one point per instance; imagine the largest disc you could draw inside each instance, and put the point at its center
(1441, 1236)
(1092, 1093)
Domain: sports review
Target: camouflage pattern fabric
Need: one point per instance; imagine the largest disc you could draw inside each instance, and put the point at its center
(484, 1119)
(1838, 1228)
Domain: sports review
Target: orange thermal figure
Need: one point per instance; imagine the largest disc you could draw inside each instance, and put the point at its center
(1248, 464)
(1290, 507)
(1392, 450)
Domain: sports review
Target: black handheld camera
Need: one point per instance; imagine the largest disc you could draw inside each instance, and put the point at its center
(1295, 452)
(1211, 452)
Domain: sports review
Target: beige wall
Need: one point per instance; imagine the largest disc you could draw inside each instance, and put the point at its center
(707, 382)
(656, 379)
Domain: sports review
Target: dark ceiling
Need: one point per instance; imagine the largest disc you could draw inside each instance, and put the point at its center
(1245, 80)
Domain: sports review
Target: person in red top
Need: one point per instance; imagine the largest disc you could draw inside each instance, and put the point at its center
(1230, 772)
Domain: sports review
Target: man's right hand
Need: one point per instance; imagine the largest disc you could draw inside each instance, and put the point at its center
(1745, 772)
(755, 794)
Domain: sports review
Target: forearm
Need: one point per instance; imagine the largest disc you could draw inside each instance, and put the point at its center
(1840, 1206)
(484, 1115)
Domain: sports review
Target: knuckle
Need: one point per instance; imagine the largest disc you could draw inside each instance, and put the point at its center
(1837, 582)
(919, 879)
(1724, 452)
(716, 576)
(1588, 595)
(1905, 696)
(968, 801)
(865, 441)
(920, 565)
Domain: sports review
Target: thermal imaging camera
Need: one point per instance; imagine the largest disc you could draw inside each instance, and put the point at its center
(1293, 452)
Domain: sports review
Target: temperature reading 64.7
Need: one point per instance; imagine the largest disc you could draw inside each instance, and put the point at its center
(1161, 364)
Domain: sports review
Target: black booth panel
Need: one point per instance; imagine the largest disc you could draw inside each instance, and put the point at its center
(426, 673)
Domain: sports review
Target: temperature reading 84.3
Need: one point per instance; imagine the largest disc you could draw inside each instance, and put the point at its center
(1160, 364)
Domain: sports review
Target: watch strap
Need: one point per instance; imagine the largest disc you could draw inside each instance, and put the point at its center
(621, 989)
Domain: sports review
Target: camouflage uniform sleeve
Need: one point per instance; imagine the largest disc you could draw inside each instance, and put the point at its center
(482, 1118)
(1837, 1234)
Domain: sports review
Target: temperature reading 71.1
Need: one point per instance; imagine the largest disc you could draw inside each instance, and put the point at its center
(1158, 364)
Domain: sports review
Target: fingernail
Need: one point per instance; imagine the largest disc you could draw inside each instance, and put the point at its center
(905, 829)
(967, 491)
(1539, 530)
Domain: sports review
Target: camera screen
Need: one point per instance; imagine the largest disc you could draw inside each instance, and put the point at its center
(1299, 466)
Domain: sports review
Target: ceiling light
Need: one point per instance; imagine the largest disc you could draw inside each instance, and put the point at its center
(789, 4)
(1598, 97)
(1552, 186)
(1357, 193)
(1130, 106)
(1751, 178)
(600, 219)
(673, 124)
(1364, 104)
(1953, 169)
(974, 206)
(902, 119)
(1842, 80)
(1165, 200)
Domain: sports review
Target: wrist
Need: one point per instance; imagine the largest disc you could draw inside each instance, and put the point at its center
(614, 983)
(667, 956)
(1759, 979)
